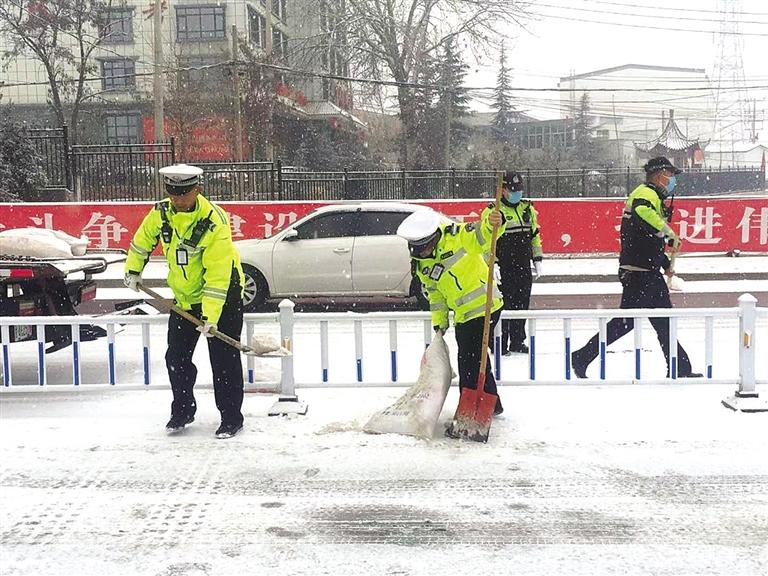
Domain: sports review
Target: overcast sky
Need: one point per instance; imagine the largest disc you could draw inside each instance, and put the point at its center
(560, 41)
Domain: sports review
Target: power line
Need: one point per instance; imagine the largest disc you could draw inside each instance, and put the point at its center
(671, 9)
(633, 14)
(643, 26)
(394, 83)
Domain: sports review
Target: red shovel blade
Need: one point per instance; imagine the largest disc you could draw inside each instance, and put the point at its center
(473, 416)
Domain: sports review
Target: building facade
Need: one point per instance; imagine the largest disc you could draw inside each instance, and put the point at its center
(630, 104)
(197, 52)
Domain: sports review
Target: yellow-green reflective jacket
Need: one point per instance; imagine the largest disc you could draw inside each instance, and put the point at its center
(203, 274)
(455, 275)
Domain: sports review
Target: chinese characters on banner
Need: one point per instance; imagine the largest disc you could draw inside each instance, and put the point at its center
(568, 226)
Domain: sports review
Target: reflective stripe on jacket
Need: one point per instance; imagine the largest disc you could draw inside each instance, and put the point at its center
(455, 275)
(202, 273)
(521, 241)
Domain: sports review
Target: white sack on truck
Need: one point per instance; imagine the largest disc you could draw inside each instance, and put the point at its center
(41, 243)
(417, 411)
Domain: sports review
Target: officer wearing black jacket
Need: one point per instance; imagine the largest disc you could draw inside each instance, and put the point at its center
(644, 232)
(516, 248)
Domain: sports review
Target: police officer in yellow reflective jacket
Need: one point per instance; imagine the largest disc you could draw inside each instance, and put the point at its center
(645, 230)
(450, 261)
(516, 249)
(206, 278)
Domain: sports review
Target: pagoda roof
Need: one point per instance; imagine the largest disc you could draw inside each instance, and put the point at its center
(671, 138)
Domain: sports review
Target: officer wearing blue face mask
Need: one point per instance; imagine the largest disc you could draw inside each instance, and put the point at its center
(645, 232)
(518, 247)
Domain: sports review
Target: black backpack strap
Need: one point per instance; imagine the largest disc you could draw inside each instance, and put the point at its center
(166, 231)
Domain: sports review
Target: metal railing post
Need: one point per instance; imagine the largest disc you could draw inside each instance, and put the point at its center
(279, 181)
(288, 402)
(746, 398)
(67, 159)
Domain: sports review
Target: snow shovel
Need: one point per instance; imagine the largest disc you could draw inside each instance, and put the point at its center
(474, 413)
(260, 350)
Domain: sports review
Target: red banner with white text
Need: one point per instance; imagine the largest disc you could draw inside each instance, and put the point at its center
(567, 226)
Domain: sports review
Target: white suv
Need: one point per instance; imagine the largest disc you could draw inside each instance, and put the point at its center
(341, 250)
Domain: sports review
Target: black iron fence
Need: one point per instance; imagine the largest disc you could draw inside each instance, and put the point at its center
(52, 145)
(130, 172)
(105, 172)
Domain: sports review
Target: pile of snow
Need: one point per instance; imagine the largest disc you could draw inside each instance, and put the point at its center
(41, 243)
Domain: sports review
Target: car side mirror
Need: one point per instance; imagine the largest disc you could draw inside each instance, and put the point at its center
(291, 234)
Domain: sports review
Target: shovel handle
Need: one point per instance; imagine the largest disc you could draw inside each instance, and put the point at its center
(197, 322)
(489, 291)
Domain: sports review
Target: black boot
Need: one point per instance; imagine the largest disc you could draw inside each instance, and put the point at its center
(177, 423)
(228, 430)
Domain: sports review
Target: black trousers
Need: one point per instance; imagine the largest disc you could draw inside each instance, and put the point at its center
(226, 363)
(640, 290)
(516, 283)
(469, 337)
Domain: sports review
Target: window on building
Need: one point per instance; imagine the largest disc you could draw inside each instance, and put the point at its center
(195, 23)
(117, 26)
(279, 44)
(278, 9)
(118, 74)
(257, 28)
(122, 128)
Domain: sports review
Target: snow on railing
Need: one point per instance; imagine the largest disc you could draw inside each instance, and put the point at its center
(747, 313)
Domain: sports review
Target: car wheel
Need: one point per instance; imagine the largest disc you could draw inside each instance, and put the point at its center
(256, 291)
(417, 291)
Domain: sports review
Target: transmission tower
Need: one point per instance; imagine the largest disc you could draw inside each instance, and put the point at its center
(733, 110)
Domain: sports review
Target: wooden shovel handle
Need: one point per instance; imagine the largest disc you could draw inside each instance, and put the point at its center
(489, 291)
(197, 322)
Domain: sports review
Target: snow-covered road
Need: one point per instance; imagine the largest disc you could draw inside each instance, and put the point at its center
(655, 480)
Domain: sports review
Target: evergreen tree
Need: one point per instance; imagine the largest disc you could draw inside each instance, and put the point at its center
(21, 173)
(454, 99)
(585, 149)
(502, 98)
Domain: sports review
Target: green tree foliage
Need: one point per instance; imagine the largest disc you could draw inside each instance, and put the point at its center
(21, 173)
(62, 36)
(502, 96)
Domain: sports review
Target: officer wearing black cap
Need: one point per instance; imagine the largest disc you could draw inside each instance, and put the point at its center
(206, 278)
(645, 231)
(517, 247)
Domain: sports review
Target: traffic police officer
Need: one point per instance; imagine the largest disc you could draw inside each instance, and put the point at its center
(516, 249)
(206, 278)
(450, 262)
(644, 231)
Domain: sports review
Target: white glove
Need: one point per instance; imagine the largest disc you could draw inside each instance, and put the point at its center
(207, 329)
(537, 270)
(132, 281)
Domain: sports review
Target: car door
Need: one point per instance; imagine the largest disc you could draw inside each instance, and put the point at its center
(318, 260)
(380, 261)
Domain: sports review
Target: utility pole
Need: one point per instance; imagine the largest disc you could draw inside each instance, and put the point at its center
(157, 76)
(619, 155)
(236, 98)
(753, 135)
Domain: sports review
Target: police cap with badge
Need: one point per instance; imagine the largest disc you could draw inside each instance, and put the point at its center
(419, 229)
(180, 178)
(513, 180)
(660, 163)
